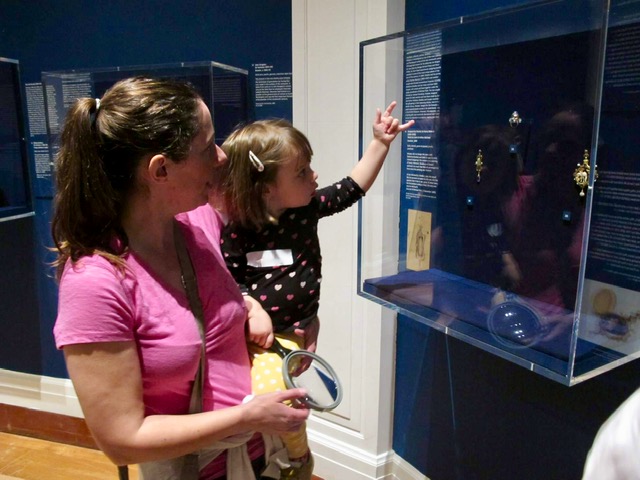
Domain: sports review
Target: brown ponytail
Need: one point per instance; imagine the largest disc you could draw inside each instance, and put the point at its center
(101, 147)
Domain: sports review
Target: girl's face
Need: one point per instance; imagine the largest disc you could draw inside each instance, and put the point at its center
(294, 186)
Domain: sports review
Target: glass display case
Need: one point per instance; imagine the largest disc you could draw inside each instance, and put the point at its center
(507, 216)
(223, 88)
(15, 184)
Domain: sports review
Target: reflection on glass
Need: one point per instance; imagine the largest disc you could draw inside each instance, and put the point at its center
(304, 369)
(320, 383)
(515, 325)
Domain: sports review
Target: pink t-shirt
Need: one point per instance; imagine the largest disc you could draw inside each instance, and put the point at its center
(98, 304)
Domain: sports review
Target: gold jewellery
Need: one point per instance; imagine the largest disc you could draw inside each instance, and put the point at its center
(515, 119)
(581, 174)
(479, 165)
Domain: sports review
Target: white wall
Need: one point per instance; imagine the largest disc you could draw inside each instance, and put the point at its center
(357, 336)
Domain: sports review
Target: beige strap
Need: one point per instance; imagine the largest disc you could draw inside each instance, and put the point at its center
(189, 469)
(191, 286)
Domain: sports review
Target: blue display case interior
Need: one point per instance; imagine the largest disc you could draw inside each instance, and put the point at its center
(15, 182)
(507, 216)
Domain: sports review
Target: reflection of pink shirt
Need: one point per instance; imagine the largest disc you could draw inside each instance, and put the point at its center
(96, 304)
(546, 250)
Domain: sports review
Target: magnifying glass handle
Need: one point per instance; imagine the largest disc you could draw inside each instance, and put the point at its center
(302, 402)
(277, 348)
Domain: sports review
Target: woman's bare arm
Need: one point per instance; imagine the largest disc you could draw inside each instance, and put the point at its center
(108, 382)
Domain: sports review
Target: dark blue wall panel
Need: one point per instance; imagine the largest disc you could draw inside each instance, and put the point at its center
(78, 34)
(464, 414)
(68, 34)
(20, 340)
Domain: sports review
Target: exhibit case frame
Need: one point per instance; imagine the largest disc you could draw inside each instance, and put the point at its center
(15, 172)
(506, 216)
(224, 88)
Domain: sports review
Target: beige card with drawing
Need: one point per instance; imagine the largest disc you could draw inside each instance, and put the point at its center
(418, 240)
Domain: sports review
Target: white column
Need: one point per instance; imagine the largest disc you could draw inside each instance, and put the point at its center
(357, 336)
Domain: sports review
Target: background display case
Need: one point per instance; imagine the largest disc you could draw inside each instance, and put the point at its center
(15, 184)
(491, 221)
(224, 89)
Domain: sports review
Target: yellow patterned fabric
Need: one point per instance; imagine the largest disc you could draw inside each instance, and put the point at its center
(266, 377)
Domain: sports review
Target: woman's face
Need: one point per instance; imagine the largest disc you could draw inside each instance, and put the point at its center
(197, 175)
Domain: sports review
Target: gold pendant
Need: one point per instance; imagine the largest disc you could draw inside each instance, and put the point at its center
(515, 119)
(581, 174)
(478, 165)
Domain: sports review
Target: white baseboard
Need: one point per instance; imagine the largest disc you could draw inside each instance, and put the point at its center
(47, 394)
(335, 459)
(405, 471)
(340, 460)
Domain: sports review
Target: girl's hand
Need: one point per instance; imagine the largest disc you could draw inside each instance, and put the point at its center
(310, 334)
(259, 325)
(386, 127)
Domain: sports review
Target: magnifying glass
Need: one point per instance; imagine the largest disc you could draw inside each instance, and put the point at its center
(515, 324)
(304, 369)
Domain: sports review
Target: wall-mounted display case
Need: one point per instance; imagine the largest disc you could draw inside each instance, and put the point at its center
(507, 216)
(224, 89)
(15, 183)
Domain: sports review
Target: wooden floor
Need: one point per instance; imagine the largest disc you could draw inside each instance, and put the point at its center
(29, 458)
(36, 445)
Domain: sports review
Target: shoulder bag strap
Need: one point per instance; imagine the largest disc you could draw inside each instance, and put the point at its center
(190, 469)
(191, 286)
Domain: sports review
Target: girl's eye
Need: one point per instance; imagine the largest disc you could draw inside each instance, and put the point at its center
(302, 173)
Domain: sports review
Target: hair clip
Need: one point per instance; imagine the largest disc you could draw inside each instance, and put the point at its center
(255, 161)
(97, 104)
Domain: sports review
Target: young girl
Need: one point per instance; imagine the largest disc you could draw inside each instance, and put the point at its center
(271, 244)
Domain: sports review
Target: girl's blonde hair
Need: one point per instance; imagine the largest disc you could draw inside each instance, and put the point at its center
(273, 142)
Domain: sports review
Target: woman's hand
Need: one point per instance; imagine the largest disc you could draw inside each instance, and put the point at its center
(268, 414)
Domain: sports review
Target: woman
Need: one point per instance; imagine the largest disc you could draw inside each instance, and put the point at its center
(128, 164)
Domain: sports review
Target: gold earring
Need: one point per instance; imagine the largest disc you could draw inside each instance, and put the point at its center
(515, 119)
(479, 165)
(581, 174)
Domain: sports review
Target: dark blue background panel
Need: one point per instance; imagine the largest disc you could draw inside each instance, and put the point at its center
(75, 34)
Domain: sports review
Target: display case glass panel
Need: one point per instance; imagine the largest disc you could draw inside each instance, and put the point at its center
(224, 89)
(487, 224)
(15, 184)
